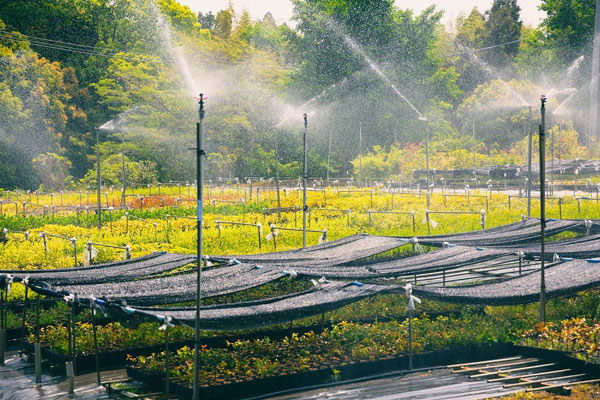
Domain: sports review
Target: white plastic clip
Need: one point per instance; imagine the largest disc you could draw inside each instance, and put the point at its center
(411, 299)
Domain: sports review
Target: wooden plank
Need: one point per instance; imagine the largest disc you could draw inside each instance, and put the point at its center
(483, 362)
(531, 382)
(513, 377)
(564, 385)
(504, 371)
(523, 361)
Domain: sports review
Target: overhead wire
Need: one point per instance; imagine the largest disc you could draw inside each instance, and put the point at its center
(102, 52)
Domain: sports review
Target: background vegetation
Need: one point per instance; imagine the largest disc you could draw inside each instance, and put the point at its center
(67, 67)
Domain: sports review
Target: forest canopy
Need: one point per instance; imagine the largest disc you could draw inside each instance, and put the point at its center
(369, 71)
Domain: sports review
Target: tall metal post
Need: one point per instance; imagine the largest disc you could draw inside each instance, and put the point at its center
(529, 174)
(474, 162)
(304, 183)
(427, 157)
(328, 156)
(593, 113)
(199, 217)
(123, 173)
(277, 174)
(542, 209)
(427, 150)
(360, 154)
(99, 183)
(552, 161)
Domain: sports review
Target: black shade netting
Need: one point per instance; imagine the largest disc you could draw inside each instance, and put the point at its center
(561, 279)
(591, 228)
(254, 314)
(521, 232)
(339, 251)
(140, 267)
(441, 259)
(581, 247)
(169, 289)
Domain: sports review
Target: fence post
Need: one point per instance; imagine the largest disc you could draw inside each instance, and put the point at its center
(74, 243)
(560, 207)
(167, 229)
(259, 228)
(427, 220)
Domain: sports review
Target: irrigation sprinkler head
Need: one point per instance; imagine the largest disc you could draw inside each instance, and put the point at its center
(543, 99)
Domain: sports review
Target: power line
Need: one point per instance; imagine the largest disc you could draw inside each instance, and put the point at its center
(484, 48)
(97, 51)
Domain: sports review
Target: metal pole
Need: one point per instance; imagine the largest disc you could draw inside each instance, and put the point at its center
(542, 210)
(593, 113)
(529, 174)
(410, 346)
(123, 176)
(199, 213)
(328, 156)
(277, 176)
(474, 165)
(304, 183)
(98, 177)
(552, 161)
(95, 332)
(360, 153)
(427, 151)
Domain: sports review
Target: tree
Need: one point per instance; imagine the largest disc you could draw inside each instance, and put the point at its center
(207, 20)
(53, 171)
(569, 27)
(223, 24)
(502, 26)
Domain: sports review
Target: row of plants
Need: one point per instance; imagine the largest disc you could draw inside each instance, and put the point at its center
(344, 343)
(351, 342)
(114, 336)
(577, 335)
(178, 235)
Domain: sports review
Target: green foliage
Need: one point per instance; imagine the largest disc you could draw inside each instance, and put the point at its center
(53, 171)
(502, 25)
(137, 173)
